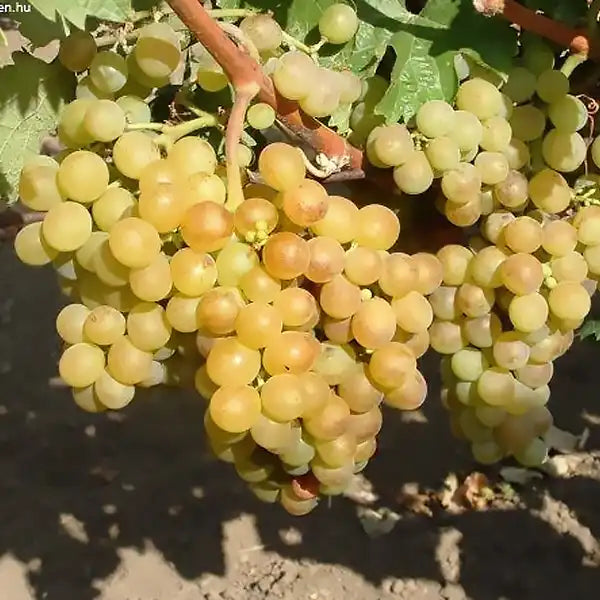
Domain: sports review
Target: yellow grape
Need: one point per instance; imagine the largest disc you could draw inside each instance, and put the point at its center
(378, 227)
(358, 391)
(363, 266)
(524, 234)
(286, 255)
(335, 362)
(330, 421)
(291, 352)
(67, 226)
(306, 204)
(413, 312)
(134, 242)
(207, 227)
(339, 298)
(374, 324)
(81, 364)
(235, 409)
(86, 399)
(69, 323)
(191, 155)
(133, 152)
(258, 324)
(522, 274)
(341, 222)
(232, 363)
(296, 306)
(327, 259)
(193, 273)
(391, 364)
(218, 309)
(107, 268)
(569, 300)
(258, 286)
(127, 363)
(399, 275)
(153, 282)
(31, 248)
(104, 325)
(447, 337)
(163, 207)
(113, 205)
(409, 395)
(234, 261)
(38, 184)
(282, 397)
(148, 327)
(255, 215)
(181, 312)
(281, 166)
(559, 237)
(112, 393)
(455, 260)
(338, 331)
(87, 254)
(468, 364)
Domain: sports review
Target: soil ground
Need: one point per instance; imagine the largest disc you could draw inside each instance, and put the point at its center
(130, 506)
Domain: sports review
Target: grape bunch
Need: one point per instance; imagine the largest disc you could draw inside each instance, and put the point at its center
(293, 314)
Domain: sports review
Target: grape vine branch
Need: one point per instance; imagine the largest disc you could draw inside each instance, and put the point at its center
(577, 40)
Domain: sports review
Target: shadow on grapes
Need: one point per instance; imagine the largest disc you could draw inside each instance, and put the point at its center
(77, 488)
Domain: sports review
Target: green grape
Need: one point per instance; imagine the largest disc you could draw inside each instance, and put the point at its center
(338, 23)
(140, 80)
(415, 176)
(157, 50)
(350, 87)
(71, 130)
(108, 72)
(261, 116)
(67, 226)
(86, 255)
(443, 154)
(263, 31)
(235, 260)
(392, 145)
(527, 122)
(496, 386)
(135, 108)
(87, 90)
(528, 312)
(323, 97)
(104, 120)
(190, 155)
(77, 51)
(294, 75)
(552, 86)
(512, 191)
(363, 121)
(517, 153)
(538, 56)
(534, 454)
(595, 151)
(209, 74)
(38, 184)
(463, 184)
(507, 107)
(568, 114)
(134, 151)
(31, 247)
(564, 151)
(83, 176)
(466, 130)
(435, 118)
(492, 166)
(468, 364)
(479, 97)
(81, 364)
(497, 134)
(520, 85)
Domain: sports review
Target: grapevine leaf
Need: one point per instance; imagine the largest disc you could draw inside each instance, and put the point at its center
(424, 67)
(590, 328)
(77, 11)
(340, 119)
(572, 12)
(31, 96)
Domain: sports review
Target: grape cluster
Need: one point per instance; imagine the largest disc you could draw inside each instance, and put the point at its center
(291, 313)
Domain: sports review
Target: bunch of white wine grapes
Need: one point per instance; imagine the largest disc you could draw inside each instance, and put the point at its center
(292, 314)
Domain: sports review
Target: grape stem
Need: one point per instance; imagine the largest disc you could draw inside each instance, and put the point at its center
(572, 62)
(577, 40)
(241, 69)
(171, 133)
(292, 42)
(231, 13)
(235, 126)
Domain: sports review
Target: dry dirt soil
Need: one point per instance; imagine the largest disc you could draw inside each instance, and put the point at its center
(130, 506)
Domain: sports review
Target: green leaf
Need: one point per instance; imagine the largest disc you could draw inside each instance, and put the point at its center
(340, 119)
(31, 96)
(572, 12)
(77, 11)
(590, 328)
(424, 67)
